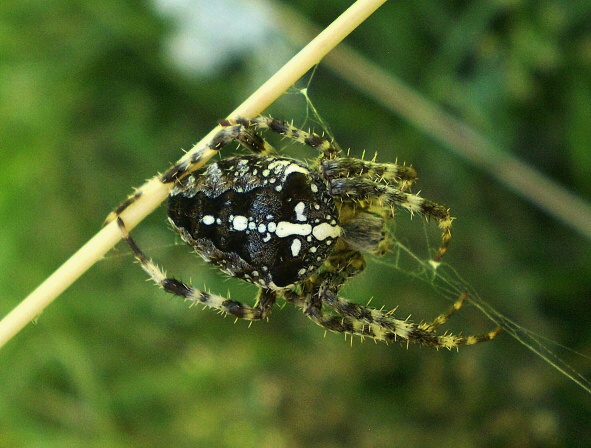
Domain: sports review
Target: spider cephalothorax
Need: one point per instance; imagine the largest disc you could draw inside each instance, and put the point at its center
(295, 230)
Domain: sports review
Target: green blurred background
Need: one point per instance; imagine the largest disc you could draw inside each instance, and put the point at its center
(97, 96)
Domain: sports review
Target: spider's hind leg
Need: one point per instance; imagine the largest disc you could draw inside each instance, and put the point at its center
(226, 135)
(261, 310)
(327, 148)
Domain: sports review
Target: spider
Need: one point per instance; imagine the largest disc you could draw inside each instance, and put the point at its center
(295, 230)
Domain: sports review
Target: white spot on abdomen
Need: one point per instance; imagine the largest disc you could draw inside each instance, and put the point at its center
(285, 228)
(325, 230)
(240, 223)
(296, 245)
(294, 168)
(299, 209)
(208, 220)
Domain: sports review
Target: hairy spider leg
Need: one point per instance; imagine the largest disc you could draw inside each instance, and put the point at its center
(228, 134)
(385, 195)
(333, 166)
(367, 322)
(386, 173)
(224, 137)
(340, 266)
(382, 326)
(363, 321)
(239, 130)
(261, 310)
(444, 317)
(327, 148)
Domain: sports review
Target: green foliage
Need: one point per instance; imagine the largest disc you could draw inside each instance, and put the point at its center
(91, 106)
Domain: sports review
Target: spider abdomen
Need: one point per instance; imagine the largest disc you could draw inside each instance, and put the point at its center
(267, 220)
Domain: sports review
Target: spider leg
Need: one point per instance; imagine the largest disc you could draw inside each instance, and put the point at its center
(387, 173)
(368, 322)
(343, 316)
(443, 317)
(239, 133)
(328, 148)
(261, 310)
(385, 195)
(228, 134)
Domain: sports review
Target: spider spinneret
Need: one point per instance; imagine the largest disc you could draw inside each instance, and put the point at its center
(295, 230)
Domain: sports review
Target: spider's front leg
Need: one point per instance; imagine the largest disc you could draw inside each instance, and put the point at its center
(386, 173)
(387, 196)
(368, 322)
(320, 301)
(261, 310)
(362, 321)
(321, 291)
